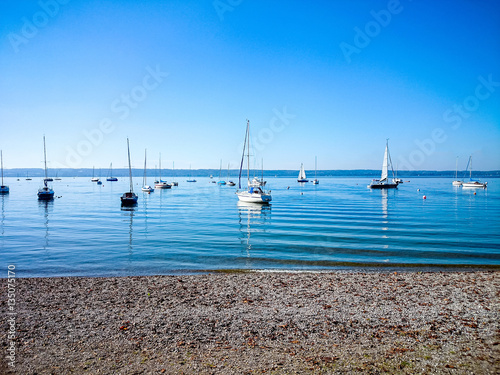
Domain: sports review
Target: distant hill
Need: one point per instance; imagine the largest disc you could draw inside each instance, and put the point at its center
(167, 173)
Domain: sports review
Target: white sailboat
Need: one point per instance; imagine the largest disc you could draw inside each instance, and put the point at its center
(457, 182)
(94, 179)
(4, 189)
(473, 183)
(145, 187)
(315, 181)
(384, 182)
(254, 193)
(229, 182)
(45, 193)
(173, 183)
(161, 184)
(129, 198)
(302, 174)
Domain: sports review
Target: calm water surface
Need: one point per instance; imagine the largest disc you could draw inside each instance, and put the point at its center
(201, 226)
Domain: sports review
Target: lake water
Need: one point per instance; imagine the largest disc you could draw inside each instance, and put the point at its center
(200, 226)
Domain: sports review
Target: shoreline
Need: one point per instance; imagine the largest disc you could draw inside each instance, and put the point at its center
(252, 322)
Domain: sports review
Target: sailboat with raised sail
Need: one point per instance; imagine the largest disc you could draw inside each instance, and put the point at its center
(111, 178)
(315, 181)
(384, 182)
(129, 198)
(45, 193)
(457, 182)
(254, 193)
(4, 189)
(473, 183)
(161, 184)
(302, 174)
(145, 187)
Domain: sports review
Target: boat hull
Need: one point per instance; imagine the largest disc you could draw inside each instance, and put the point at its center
(302, 180)
(376, 185)
(4, 189)
(112, 179)
(248, 197)
(475, 184)
(45, 195)
(457, 183)
(129, 199)
(163, 185)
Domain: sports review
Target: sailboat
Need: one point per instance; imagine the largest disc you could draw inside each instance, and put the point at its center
(28, 178)
(457, 182)
(473, 183)
(94, 179)
(221, 182)
(384, 183)
(161, 184)
(315, 181)
(3, 188)
(191, 179)
(145, 187)
(229, 183)
(254, 193)
(129, 198)
(173, 183)
(45, 193)
(111, 178)
(57, 178)
(302, 174)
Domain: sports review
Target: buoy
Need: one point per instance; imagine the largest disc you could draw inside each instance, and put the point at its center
(425, 197)
(418, 189)
(474, 193)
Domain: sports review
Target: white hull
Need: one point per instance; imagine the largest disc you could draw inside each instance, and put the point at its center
(163, 185)
(474, 184)
(147, 189)
(457, 183)
(246, 196)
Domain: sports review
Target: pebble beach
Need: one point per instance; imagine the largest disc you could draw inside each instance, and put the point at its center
(257, 322)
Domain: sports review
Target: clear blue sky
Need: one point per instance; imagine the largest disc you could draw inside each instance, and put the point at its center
(326, 78)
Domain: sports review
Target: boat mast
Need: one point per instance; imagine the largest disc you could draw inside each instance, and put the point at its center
(130, 168)
(144, 179)
(1, 157)
(456, 169)
(45, 158)
(315, 166)
(160, 169)
(248, 151)
(470, 167)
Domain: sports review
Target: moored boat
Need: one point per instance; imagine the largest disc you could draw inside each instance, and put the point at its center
(45, 193)
(384, 182)
(4, 189)
(129, 198)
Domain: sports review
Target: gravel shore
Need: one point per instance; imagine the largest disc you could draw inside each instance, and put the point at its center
(276, 323)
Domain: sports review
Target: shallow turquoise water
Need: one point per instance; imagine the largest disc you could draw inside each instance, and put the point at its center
(339, 223)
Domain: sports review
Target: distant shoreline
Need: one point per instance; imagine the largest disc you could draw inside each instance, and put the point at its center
(21, 173)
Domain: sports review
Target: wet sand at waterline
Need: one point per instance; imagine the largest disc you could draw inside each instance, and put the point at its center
(237, 323)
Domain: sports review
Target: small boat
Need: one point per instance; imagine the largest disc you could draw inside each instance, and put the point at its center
(302, 174)
(229, 183)
(111, 178)
(45, 193)
(384, 183)
(94, 179)
(315, 181)
(254, 193)
(173, 183)
(159, 184)
(220, 182)
(4, 189)
(457, 182)
(145, 187)
(28, 177)
(57, 178)
(191, 179)
(129, 198)
(473, 183)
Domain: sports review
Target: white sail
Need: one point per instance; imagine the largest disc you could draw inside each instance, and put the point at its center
(302, 173)
(384, 166)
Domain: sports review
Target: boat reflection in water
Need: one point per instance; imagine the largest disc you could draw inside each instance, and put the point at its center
(128, 212)
(253, 219)
(46, 206)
